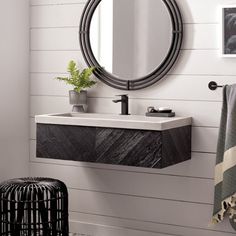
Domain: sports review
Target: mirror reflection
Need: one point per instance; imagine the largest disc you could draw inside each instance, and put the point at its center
(130, 38)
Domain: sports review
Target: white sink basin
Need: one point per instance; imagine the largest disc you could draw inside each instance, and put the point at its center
(114, 121)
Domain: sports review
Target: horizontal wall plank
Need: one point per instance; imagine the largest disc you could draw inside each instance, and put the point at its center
(190, 62)
(203, 62)
(199, 110)
(56, 15)
(180, 87)
(101, 230)
(55, 39)
(142, 209)
(224, 228)
(119, 182)
(46, 105)
(201, 36)
(46, 2)
(197, 36)
(47, 85)
(48, 61)
(204, 139)
(200, 166)
(171, 87)
(201, 11)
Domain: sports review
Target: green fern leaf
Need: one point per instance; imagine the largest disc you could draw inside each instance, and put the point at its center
(78, 80)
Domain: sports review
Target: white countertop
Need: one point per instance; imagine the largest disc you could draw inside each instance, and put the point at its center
(114, 121)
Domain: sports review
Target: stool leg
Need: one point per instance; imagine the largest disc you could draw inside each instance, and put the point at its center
(1, 214)
(43, 212)
(65, 215)
(53, 213)
(20, 215)
(12, 211)
(29, 201)
(5, 218)
(34, 213)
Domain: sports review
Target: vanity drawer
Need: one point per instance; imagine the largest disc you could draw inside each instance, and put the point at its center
(131, 147)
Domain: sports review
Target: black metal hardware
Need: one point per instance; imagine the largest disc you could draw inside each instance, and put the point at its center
(124, 104)
(128, 84)
(213, 85)
(33, 206)
(143, 82)
(177, 32)
(153, 110)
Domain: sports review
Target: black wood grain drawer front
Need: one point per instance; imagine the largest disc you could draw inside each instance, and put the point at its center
(153, 149)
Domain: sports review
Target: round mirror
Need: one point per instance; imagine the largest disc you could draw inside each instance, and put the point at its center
(132, 43)
(130, 40)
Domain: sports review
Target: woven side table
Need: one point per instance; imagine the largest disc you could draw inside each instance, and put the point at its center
(33, 207)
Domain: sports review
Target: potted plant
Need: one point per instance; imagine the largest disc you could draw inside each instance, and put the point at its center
(80, 81)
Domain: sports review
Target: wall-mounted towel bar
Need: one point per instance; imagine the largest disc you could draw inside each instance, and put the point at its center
(213, 85)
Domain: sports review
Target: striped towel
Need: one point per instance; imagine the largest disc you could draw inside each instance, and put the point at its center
(225, 169)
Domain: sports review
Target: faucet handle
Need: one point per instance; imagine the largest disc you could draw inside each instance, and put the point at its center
(123, 96)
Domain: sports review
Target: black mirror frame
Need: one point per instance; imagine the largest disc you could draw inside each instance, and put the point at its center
(143, 82)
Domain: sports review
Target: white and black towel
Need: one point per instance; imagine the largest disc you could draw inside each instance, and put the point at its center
(225, 169)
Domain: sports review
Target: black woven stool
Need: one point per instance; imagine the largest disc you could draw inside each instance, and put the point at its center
(33, 206)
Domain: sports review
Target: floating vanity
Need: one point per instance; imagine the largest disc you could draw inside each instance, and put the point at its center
(141, 141)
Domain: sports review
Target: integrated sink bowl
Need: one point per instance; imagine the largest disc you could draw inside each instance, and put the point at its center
(114, 121)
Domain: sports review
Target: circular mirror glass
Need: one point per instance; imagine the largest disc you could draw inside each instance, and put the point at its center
(131, 38)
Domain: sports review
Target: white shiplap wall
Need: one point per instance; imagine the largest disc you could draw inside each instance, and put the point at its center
(110, 200)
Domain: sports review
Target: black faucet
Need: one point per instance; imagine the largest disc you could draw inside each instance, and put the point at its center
(124, 104)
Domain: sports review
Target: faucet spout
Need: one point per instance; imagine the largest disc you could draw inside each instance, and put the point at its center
(124, 104)
(116, 101)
